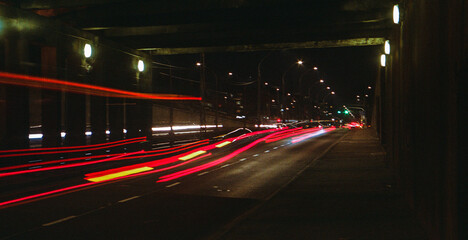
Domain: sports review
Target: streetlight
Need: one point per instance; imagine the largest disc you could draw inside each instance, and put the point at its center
(332, 93)
(299, 62)
(387, 47)
(87, 50)
(198, 63)
(383, 59)
(328, 88)
(396, 14)
(321, 81)
(141, 66)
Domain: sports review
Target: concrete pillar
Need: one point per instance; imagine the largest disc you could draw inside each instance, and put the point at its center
(16, 98)
(75, 119)
(51, 101)
(98, 119)
(75, 105)
(116, 118)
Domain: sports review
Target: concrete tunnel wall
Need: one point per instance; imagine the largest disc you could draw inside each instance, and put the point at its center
(419, 98)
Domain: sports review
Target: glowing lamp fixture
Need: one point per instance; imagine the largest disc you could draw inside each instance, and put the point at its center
(387, 47)
(315, 68)
(328, 88)
(396, 14)
(383, 59)
(141, 66)
(321, 80)
(332, 93)
(300, 62)
(198, 64)
(88, 50)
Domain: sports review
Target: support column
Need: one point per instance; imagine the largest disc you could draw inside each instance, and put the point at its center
(75, 116)
(17, 117)
(51, 101)
(98, 119)
(16, 98)
(116, 119)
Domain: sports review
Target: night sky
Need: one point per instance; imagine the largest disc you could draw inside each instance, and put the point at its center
(347, 70)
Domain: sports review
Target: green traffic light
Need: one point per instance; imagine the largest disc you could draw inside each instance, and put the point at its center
(346, 112)
(339, 112)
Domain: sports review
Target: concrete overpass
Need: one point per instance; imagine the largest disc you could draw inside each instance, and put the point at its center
(419, 96)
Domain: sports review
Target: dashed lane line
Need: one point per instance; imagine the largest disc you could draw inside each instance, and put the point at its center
(58, 221)
(128, 199)
(172, 185)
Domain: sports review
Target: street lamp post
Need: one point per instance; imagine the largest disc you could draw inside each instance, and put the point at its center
(259, 88)
(283, 98)
(332, 93)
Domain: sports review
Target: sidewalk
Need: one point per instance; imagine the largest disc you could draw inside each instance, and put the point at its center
(347, 194)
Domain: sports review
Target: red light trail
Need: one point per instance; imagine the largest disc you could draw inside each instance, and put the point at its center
(60, 85)
(305, 134)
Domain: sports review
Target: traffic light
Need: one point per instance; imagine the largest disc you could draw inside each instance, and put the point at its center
(339, 112)
(346, 112)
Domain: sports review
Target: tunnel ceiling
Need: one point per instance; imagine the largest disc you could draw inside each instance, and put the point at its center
(189, 26)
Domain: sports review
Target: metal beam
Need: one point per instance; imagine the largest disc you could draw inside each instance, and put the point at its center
(354, 42)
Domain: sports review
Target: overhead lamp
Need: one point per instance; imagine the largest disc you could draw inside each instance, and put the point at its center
(387, 47)
(383, 59)
(88, 50)
(141, 66)
(396, 14)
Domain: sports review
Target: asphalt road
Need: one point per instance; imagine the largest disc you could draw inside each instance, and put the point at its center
(196, 206)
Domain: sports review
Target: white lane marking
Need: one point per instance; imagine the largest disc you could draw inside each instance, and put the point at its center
(267, 151)
(255, 155)
(58, 221)
(203, 173)
(172, 185)
(243, 159)
(226, 165)
(282, 145)
(275, 148)
(128, 199)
